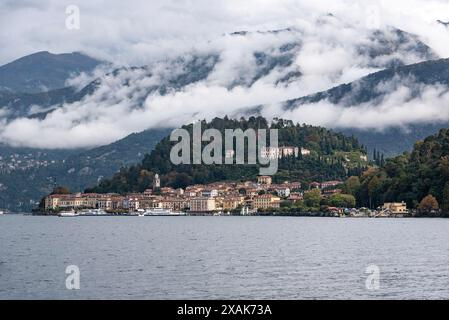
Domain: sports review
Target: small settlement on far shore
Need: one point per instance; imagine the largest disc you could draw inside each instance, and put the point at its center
(261, 197)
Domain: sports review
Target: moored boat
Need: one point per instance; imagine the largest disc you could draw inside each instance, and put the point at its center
(163, 212)
(71, 213)
(93, 212)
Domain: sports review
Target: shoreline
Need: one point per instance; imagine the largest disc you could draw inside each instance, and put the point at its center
(307, 215)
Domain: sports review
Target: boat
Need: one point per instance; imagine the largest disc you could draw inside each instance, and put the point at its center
(71, 213)
(1, 212)
(93, 212)
(163, 212)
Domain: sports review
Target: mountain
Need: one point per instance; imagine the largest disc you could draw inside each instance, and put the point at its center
(43, 71)
(237, 60)
(332, 156)
(373, 90)
(20, 189)
(366, 89)
(29, 105)
(38, 105)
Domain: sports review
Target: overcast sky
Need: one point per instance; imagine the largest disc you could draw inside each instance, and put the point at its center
(144, 32)
(135, 31)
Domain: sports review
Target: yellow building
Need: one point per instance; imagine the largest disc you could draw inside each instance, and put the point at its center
(396, 207)
(52, 201)
(266, 201)
(230, 203)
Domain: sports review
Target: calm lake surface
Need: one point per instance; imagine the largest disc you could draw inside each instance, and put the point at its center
(223, 257)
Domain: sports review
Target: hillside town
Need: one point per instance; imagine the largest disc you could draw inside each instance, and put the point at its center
(16, 161)
(218, 198)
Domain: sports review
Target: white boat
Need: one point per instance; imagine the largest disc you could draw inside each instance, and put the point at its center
(93, 212)
(1, 213)
(162, 212)
(68, 214)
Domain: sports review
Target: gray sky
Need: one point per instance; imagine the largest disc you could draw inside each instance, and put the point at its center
(136, 31)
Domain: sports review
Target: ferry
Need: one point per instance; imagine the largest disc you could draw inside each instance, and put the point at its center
(162, 212)
(68, 214)
(93, 212)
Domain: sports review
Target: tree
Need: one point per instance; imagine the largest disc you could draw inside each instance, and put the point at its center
(312, 198)
(373, 189)
(445, 202)
(61, 190)
(428, 204)
(342, 200)
(352, 185)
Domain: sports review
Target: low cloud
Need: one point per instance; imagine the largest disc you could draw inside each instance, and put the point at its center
(324, 51)
(398, 109)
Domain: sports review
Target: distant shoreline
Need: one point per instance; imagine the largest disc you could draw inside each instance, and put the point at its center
(299, 215)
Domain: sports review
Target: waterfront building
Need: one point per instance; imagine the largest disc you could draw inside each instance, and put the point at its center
(231, 203)
(52, 201)
(395, 207)
(175, 203)
(104, 203)
(132, 203)
(266, 201)
(202, 204)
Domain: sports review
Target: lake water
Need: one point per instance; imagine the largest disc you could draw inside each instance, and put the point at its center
(223, 257)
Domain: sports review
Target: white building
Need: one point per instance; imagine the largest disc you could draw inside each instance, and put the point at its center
(210, 193)
(202, 204)
(283, 192)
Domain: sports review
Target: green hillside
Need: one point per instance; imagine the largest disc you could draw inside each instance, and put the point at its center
(330, 158)
(409, 177)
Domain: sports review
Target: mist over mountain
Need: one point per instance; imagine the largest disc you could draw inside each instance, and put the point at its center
(227, 75)
(388, 110)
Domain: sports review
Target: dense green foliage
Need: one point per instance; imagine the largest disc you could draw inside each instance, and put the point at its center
(329, 159)
(409, 177)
